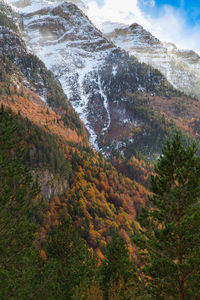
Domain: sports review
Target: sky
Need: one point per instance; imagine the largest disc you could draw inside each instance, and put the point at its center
(176, 21)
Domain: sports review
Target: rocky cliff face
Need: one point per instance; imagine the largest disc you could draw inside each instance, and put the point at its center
(96, 76)
(180, 67)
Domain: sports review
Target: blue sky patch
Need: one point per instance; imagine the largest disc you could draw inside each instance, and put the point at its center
(189, 8)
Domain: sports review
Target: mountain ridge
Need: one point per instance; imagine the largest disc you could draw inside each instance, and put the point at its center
(116, 96)
(91, 69)
(180, 67)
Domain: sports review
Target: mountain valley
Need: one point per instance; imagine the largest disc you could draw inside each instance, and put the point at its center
(92, 110)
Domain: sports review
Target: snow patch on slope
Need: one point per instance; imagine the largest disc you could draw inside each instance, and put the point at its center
(180, 67)
(106, 105)
(73, 50)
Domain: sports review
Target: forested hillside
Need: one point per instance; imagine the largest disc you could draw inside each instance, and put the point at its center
(43, 253)
(92, 196)
(69, 225)
(76, 183)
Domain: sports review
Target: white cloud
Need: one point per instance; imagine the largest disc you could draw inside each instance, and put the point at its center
(150, 3)
(170, 25)
(116, 11)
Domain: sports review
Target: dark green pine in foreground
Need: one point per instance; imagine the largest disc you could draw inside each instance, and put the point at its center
(171, 226)
(75, 267)
(119, 279)
(18, 256)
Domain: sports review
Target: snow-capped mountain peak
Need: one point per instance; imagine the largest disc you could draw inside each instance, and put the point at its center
(180, 67)
(96, 76)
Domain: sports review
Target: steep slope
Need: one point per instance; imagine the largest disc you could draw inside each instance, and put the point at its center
(112, 92)
(180, 67)
(76, 181)
(36, 76)
(41, 129)
(29, 89)
(96, 76)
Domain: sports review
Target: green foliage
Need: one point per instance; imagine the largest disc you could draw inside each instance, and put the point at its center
(74, 264)
(7, 68)
(170, 238)
(5, 21)
(69, 270)
(23, 275)
(155, 128)
(42, 149)
(118, 273)
(6, 17)
(18, 256)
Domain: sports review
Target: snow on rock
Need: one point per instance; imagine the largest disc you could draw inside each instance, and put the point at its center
(108, 27)
(25, 6)
(106, 105)
(95, 74)
(64, 39)
(114, 71)
(180, 67)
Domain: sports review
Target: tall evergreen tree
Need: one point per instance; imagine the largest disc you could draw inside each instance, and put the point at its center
(18, 256)
(170, 236)
(74, 265)
(118, 273)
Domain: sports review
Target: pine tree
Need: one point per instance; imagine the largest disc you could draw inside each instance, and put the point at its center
(74, 265)
(118, 273)
(170, 237)
(18, 257)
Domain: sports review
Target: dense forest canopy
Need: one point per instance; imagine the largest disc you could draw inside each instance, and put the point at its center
(62, 266)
